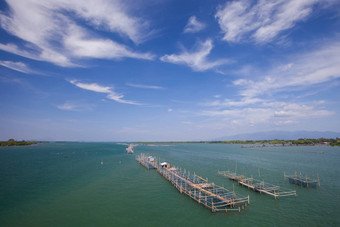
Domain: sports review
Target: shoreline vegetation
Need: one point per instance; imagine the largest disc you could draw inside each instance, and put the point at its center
(270, 143)
(12, 142)
(243, 143)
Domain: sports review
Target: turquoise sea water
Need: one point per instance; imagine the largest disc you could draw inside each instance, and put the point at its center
(64, 184)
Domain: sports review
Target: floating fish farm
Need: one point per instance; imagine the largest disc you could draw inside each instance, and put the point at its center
(147, 161)
(257, 185)
(302, 180)
(213, 197)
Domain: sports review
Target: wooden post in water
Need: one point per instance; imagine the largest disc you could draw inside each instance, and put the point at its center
(236, 168)
(181, 187)
(212, 206)
(199, 196)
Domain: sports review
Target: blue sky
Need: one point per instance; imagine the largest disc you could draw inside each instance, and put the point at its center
(150, 70)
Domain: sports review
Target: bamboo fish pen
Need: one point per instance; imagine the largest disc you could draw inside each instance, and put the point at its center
(302, 180)
(258, 185)
(147, 161)
(214, 197)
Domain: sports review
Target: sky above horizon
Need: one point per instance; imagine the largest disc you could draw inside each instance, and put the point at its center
(148, 70)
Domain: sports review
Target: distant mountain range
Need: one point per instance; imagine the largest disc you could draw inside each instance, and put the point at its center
(284, 135)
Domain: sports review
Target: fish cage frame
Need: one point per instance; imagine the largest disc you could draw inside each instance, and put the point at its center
(258, 185)
(212, 196)
(302, 180)
(145, 160)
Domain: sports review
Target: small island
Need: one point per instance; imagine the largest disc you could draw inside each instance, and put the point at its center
(12, 142)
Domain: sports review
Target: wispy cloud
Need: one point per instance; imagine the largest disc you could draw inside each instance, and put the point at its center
(293, 111)
(268, 112)
(257, 99)
(245, 101)
(67, 106)
(17, 66)
(111, 94)
(304, 70)
(193, 25)
(91, 87)
(145, 86)
(197, 59)
(53, 35)
(263, 21)
(73, 106)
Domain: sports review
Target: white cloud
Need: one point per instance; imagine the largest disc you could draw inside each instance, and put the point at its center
(119, 98)
(17, 66)
(72, 106)
(37, 53)
(196, 60)
(245, 115)
(170, 110)
(263, 21)
(257, 98)
(319, 102)
(311, 68)
(268, 112)
(92, 87)
(111, 94)
(52, 35)
(67, 106)
(293, 110)
(145, 86)
(245, 101)
(82, 46)
(109, 15)
(193, 25)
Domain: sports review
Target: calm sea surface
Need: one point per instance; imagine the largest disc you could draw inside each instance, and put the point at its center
(65, 184)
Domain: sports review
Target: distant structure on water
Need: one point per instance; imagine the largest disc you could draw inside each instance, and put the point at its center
(129, 149)
(302, 180)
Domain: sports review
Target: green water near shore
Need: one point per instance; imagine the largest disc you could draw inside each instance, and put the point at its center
(64, 184)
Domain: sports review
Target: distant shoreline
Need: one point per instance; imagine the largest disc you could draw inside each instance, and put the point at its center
(14, 143)
(268, 143)
(243, 143)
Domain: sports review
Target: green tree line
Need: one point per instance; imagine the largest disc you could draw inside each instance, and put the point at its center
(12, 142)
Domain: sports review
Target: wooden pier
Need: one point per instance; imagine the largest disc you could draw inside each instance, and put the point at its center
(214, 197)
(302, 180)
(258, 185)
